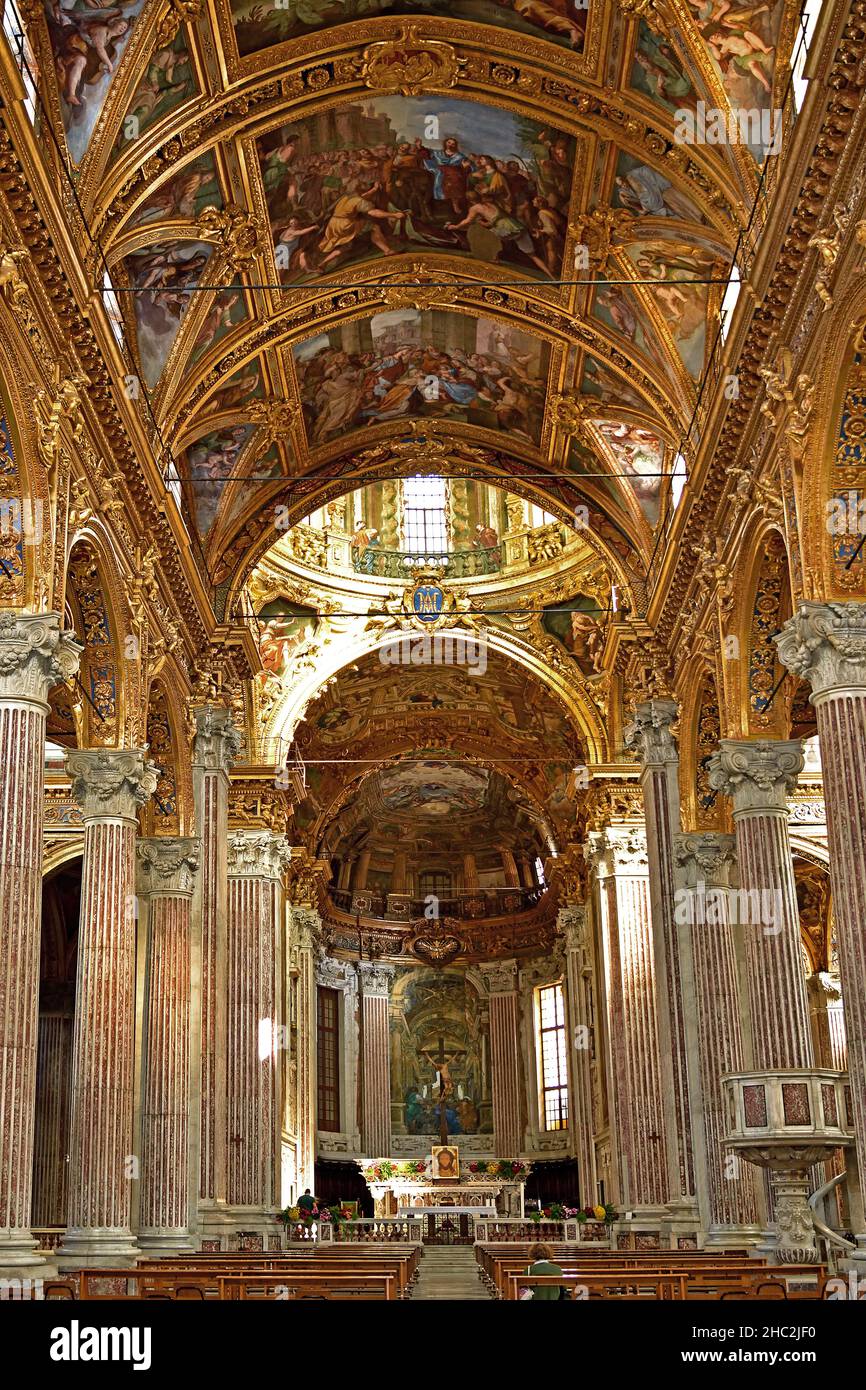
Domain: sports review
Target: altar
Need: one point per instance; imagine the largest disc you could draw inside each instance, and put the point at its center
(472, 1194)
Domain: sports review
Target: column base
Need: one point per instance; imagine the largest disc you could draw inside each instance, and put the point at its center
(734, 1238)
(168, 1242)
(19, 1254)
(87, 1247)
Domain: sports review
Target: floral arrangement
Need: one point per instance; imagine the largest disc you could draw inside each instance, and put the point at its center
(557, 1211)
(385, 1168)
(334, 1216)
(499, 1168)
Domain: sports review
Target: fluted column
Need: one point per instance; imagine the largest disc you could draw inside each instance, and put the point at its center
(505, 1057)
(758, 776)
(51, 1141)
(512, 878)
(825, 643)
(651, 735)
(34, 655)
(257, 861)
(110, 785)
(707, 859)
(470, 873)
(826, 1010)
(618, 856)
(375, 984)
(166, 874)
(217, 743)
(305, 930)
(574, 925)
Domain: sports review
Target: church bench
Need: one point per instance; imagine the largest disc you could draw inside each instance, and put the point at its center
(225, 1285)
(401, 1268)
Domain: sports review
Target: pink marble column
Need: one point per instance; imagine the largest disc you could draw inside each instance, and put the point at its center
(758, 776)
(375, 985)
(34, 655)
(618, 857)
(166, 874)
(505, 1057)
(305, 927)
(51, 1142)
(256, 1029)
(825, 643)
(573, 923)
(110, 785)
(217, 743)
(706, 859)
(828, 1021)
(651, 735)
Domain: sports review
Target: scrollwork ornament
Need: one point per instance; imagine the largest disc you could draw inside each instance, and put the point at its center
(826, 644)
(35, 655)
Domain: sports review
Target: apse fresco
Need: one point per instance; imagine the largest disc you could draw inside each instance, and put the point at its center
(184, 196)
(658, 71)
(87, 44)
(670, 266)
(163, 276)
(166, 83)
(430, 1008)
(575, 623)
(434, 789)
(639, 453)
(284, 628)
(385, 176)
(211, 462)
(645, 192)
(258, 25)
(436, 364)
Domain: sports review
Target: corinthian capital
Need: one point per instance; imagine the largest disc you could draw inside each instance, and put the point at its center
(257, 854)
(758, 775)
(826, 643)
(167, 866)
(375, 978)
(706, 857)
(501, 976)
(574, 924)
(35, 655)
(217, 741)
(650, 734)
(111, 782)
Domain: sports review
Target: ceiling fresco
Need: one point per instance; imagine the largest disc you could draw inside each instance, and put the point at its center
(365, 219)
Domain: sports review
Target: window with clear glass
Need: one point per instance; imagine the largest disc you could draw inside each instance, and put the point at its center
(425, 524)
(328, 1069)
(552, 1059)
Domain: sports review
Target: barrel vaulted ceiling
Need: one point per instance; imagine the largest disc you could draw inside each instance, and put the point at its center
(345, 237)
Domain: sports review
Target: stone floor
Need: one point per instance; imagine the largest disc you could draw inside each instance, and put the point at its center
(449, 1271)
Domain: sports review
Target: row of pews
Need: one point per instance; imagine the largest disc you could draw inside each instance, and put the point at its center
(355, 1272)
(682, 1275)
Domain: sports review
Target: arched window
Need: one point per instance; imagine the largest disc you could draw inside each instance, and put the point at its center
(425, 521)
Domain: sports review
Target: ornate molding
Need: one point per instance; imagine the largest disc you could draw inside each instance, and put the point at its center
(257, 854)
(111, 782)
(826, 644)
(410, 64)
(35, 655)
(651, 733)
(167, 866)
(758, 775)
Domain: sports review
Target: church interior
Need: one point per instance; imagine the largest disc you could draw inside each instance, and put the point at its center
(432, 650)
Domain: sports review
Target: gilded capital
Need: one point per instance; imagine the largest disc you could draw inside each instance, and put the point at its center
(111, 782)
(826, 644)
(167, 866)
(759, 774)
(35, 655)
(217, 741)
(650, 734)
(257, 854)
(706, 857)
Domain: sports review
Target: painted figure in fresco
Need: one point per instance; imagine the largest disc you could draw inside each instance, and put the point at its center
(218, 319)
(158, 84)
(614, 300)
(485, 537)
(85, 46)
(645, 191)
(279, 639)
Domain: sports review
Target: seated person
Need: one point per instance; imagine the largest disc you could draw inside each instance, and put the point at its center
(542, 1263)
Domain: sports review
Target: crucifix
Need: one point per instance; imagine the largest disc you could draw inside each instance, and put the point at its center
(446, 1085)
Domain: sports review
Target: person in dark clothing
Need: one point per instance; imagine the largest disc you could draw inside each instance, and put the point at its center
(542, 1263)
(306, 1202)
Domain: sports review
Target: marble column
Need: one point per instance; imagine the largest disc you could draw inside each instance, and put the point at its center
(375, 986)
(217, 743)
(825, 644)
(255, 1027)
(110, 785)
(512, 878)
(826, 1010)
(758, 775)
(34, 656)
(51, 1141)
(573, 923)
(167, 869)
(305, 927)
(618, 857)
(651, 735)
(501, 980)
(707, 859)
(470, 874)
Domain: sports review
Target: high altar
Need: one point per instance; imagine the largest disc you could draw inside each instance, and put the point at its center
(471, 1193)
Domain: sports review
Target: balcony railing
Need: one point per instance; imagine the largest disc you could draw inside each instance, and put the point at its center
(465, 906)
(398, 564)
